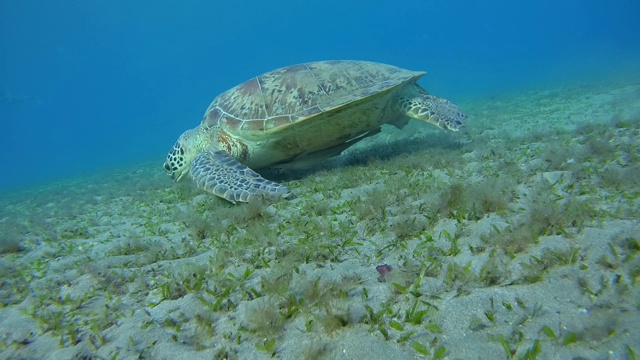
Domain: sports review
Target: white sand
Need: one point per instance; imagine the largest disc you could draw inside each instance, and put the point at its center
(128, 265)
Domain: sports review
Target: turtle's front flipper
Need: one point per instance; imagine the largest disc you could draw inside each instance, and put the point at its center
(222, 175)
(439, 112)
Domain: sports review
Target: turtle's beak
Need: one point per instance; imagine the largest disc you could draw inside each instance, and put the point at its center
(167, 168)
(178, 175)
(175, 173)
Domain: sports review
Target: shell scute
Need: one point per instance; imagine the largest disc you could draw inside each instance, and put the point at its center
(303, 91)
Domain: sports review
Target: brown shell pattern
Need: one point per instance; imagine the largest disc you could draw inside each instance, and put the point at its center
(294, 93)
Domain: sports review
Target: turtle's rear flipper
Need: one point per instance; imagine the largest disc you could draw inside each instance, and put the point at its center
(223, 176)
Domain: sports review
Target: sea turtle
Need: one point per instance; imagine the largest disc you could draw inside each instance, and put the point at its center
(300, 112)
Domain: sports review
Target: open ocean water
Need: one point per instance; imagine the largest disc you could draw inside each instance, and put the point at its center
(90, 86)
(516, 239)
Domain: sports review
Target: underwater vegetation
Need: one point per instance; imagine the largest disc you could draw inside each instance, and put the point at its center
(476, 236)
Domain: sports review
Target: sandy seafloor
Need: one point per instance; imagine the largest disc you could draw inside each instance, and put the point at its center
(517, 239)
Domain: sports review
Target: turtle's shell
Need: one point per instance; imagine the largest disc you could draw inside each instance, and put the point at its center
(304, 108)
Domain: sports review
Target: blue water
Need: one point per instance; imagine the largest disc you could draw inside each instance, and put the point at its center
(92, 85)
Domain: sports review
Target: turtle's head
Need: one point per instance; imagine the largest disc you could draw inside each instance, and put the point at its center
(443, 113)
(191, 143)
(439, 112)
